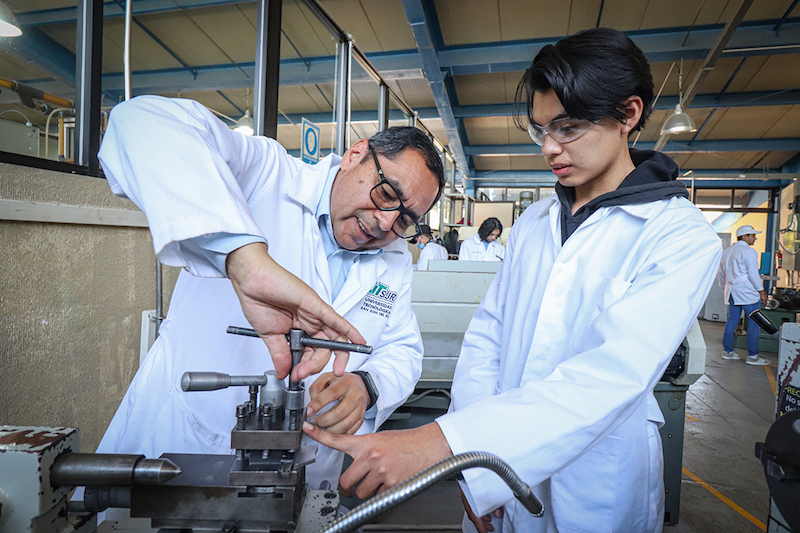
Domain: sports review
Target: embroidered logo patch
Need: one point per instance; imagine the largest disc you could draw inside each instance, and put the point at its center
(379, 300)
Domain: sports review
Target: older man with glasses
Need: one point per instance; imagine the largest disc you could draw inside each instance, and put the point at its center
(316, 247)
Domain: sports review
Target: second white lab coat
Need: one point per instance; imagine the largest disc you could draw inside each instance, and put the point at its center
(558, 365)
(431, 252)
(192, 176)
(738, 273)
(472, 249)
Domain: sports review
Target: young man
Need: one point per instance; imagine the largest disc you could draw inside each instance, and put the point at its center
(598, 288)
(301, 244)
(744, 291)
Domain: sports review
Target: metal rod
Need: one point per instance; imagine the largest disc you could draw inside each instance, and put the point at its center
(383, 107)
(342, 92)
(88, 78)
(110, 470)
(267, 68)
(159, 294)
(441, 470)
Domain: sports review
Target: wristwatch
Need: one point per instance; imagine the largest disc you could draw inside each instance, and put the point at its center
(369, 383)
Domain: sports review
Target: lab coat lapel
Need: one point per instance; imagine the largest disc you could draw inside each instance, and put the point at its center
(555, 224)
(307, 186)
(306, 189)
(361, 279)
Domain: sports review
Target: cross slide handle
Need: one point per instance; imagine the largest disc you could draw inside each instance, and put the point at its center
(305, 340)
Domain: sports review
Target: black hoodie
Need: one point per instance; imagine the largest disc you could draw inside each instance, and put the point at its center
(653, 179)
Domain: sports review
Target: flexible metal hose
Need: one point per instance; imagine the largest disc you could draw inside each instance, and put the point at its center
(419, 482)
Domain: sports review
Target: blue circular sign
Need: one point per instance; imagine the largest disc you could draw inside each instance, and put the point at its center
(311, 141)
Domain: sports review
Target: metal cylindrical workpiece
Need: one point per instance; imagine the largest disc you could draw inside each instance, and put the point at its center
(207, 381)
(110, 470)
(154, 471)
(295, 400)
(272, 390)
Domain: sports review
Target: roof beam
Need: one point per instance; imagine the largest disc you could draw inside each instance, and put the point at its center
(665, 44)
(115, 9)
(421, 21)
(712, 178)
(702, 101)
(673, 147)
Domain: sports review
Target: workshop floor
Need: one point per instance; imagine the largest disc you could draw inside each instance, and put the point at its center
(723, 487)
(727, 411)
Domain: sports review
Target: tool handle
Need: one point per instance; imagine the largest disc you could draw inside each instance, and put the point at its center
(310, 341)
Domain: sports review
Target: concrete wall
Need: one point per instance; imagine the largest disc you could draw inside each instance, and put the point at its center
(72, 291)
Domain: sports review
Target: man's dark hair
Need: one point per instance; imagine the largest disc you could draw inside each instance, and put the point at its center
(392, 141)
(592, 72)
(740, 237)
(488, 226)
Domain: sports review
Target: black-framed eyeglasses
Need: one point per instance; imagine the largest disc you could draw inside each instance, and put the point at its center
(562, 130)
(385, 198)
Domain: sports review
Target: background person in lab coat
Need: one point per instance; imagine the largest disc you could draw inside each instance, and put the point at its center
(431, 251)
(599, 286)
(484, 246)
(301, 245)
(744, 291)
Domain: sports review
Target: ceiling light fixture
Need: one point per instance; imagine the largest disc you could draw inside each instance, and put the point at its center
(678, 121)
(245, 124)
(9, 27)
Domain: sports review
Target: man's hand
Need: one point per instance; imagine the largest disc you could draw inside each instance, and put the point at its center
(274, 301)
(484, 523)
(382, 460)
(764, 296)
(351, 393)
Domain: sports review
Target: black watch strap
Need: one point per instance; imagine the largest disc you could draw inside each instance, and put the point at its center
(369, 383)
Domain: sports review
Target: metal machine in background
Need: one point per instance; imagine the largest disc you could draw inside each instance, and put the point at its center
(780, 451)
(783, 298)
(259, 489)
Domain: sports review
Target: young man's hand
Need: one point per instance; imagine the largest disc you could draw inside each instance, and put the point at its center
(382, 460)
(274, 301)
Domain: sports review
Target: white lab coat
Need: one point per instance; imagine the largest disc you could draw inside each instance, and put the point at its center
(738, 274)
(192, 176)
(558, 365)
(431, 252)
(472, 249)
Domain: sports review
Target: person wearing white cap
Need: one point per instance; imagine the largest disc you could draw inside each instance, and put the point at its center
(744, 291)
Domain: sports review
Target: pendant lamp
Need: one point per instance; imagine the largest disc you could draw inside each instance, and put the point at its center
(678, 121)
(9, 27)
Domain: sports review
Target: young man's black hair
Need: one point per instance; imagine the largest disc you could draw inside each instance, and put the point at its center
(592, 72)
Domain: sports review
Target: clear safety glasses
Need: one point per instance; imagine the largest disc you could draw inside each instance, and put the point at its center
(562, 130)
(385, 198)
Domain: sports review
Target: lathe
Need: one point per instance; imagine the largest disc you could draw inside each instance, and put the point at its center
(260, 488)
